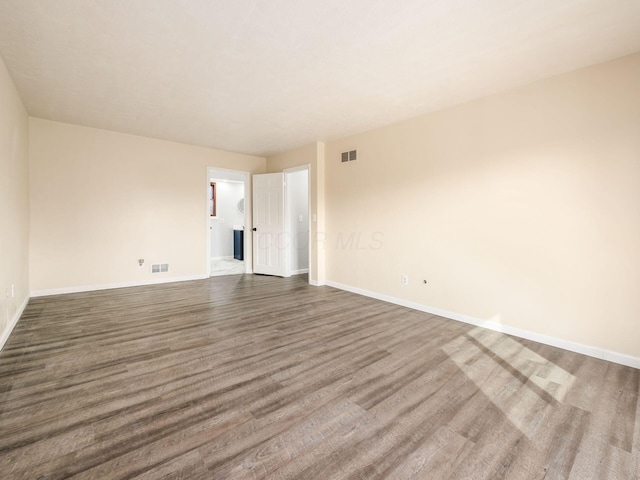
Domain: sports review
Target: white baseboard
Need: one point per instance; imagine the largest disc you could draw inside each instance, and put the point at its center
(300, 272)
(316, 283)
(107, 286)
(591, 351)
(226, 257)
(12, 323)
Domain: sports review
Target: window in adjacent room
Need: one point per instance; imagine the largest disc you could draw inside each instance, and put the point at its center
(212, 199)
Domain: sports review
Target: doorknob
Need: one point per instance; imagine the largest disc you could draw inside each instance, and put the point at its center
(254, 229)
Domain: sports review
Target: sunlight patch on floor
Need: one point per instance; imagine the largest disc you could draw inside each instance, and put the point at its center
(501, 366)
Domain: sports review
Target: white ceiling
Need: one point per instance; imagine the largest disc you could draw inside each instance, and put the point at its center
(260, 77)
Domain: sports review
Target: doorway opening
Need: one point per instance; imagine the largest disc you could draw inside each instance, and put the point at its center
(297, 203)
(228, 252)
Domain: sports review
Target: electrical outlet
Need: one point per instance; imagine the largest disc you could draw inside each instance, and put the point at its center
(405, 279)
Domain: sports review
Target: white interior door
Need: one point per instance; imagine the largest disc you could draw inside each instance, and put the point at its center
(268, 224)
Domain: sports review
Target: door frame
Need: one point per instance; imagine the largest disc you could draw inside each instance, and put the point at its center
(287, 224)
(248, 201)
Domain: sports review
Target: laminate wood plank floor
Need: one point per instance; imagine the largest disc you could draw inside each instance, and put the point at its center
(255, 377)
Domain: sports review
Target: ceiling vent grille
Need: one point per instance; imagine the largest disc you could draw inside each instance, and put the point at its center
(349, 156)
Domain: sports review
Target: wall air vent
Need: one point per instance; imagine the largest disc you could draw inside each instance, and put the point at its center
(349, 156)
(159, 268)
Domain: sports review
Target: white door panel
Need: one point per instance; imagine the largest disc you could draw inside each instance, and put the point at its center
(268, 224)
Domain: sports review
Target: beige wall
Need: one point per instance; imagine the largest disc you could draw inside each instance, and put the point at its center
(100, 200)
(312, 155)
(14, 205)
(522, 208)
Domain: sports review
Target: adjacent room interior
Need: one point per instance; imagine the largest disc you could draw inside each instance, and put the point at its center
(442, 283)
(226, 217)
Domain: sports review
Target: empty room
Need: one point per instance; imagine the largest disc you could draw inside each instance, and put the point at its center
(319, 240)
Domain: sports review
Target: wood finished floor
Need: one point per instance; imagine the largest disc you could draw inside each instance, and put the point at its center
(260, 377)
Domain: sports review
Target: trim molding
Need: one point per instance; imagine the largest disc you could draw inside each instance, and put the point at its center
(589, 350)
(12, 323)
(316, 283)
(298, 272)
(107, 286)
